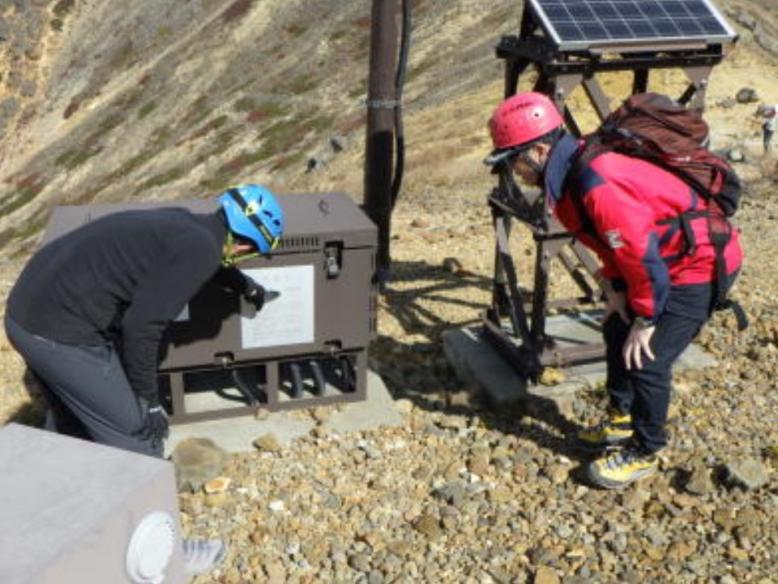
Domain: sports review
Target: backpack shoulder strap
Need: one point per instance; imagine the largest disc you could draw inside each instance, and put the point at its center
(592, 149)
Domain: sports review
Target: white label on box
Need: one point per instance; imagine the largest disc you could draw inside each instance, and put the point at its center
(286, 320)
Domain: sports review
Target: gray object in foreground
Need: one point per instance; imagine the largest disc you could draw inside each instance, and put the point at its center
(75, 512)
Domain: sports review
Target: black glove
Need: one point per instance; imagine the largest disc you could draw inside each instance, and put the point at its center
(254, 294)
(156, 427)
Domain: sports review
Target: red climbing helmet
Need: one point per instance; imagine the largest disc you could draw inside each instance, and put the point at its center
(520, 120)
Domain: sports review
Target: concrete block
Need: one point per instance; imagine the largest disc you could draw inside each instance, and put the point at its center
(69, 508)
(483, 370)
(238, 434)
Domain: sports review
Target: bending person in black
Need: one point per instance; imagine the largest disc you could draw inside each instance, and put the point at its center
(89, 310)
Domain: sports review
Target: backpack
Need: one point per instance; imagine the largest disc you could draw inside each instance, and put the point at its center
(660, 130)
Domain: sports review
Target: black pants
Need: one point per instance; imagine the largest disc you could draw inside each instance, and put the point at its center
(86, 390)
(645, 393)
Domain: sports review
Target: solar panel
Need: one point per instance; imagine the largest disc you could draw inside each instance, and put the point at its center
(584, 24)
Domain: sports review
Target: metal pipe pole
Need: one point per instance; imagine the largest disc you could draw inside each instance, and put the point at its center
(379, 143)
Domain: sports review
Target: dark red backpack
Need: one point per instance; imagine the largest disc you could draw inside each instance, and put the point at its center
(658, 129)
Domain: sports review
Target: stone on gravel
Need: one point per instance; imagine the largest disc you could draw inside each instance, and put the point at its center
(428, 525)
(699, 482)
(360, 562)
(217, 485)
(268, 443)
(736, 155)
(746, 95)
(546, 575)
(197, 460)
(748, 473)
(275, 572)
(552, 376)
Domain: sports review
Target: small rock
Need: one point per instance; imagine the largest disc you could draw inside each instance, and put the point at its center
(428, 525)
(558, 474)
(360, 562)
(215, 500)
(748, 473)
(736, 553)
(268, 443)
(338, 143)
(404, 406)
(500, 495)
(736, 155)
(699, 482)
(636, 499)
(275, 571)
(320, 432)
(197, 460)
(453, 494)
(399, 548)
(478, 464)
(552, 376)
(747, 95)
(546, 575)
(655, 535)
(277, 506)
(656, 553)
(420, 222)
(315, 163)
(321, 414)
(564, 531)
(724, 518)
(217, 485)
(375, 577)
(452, 265)
(680, 550)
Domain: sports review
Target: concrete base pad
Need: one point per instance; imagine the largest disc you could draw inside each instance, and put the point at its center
(238, 434)
(482, 368)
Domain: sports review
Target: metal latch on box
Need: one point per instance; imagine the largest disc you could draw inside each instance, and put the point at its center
(332, 260)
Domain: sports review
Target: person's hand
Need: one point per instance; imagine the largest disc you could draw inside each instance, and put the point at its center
(638, 343)
(254, 294)
(157, 427)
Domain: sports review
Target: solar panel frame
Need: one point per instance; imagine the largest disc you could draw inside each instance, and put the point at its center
(591, 24)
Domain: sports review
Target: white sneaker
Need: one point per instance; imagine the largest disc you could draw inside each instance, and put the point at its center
(202, 555)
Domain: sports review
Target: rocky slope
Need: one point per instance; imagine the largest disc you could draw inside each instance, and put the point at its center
(110, 101)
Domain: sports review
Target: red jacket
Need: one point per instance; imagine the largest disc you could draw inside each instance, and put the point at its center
(626, 199)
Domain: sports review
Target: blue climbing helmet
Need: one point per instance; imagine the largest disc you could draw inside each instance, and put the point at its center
(253, 212)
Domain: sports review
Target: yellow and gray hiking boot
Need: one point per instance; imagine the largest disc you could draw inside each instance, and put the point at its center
(612, 433)
(622, 467)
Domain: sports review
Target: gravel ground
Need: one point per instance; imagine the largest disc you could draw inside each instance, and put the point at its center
(461, 494)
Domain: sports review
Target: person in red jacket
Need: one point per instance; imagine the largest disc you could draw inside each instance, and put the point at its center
(659, 286)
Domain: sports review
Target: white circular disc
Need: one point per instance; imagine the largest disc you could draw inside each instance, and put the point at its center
(150, 548)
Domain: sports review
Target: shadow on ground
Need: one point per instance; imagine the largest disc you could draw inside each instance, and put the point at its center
(419, 371)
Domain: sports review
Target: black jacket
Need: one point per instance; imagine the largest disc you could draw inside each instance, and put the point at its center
(121, 279)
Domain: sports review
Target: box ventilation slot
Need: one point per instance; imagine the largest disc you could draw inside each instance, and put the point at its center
(298, 243)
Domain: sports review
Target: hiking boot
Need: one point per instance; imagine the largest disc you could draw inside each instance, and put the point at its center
(620, 468)
(202, 555)
(612, 433)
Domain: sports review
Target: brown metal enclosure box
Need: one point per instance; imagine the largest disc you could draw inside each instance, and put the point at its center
(308, 346)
